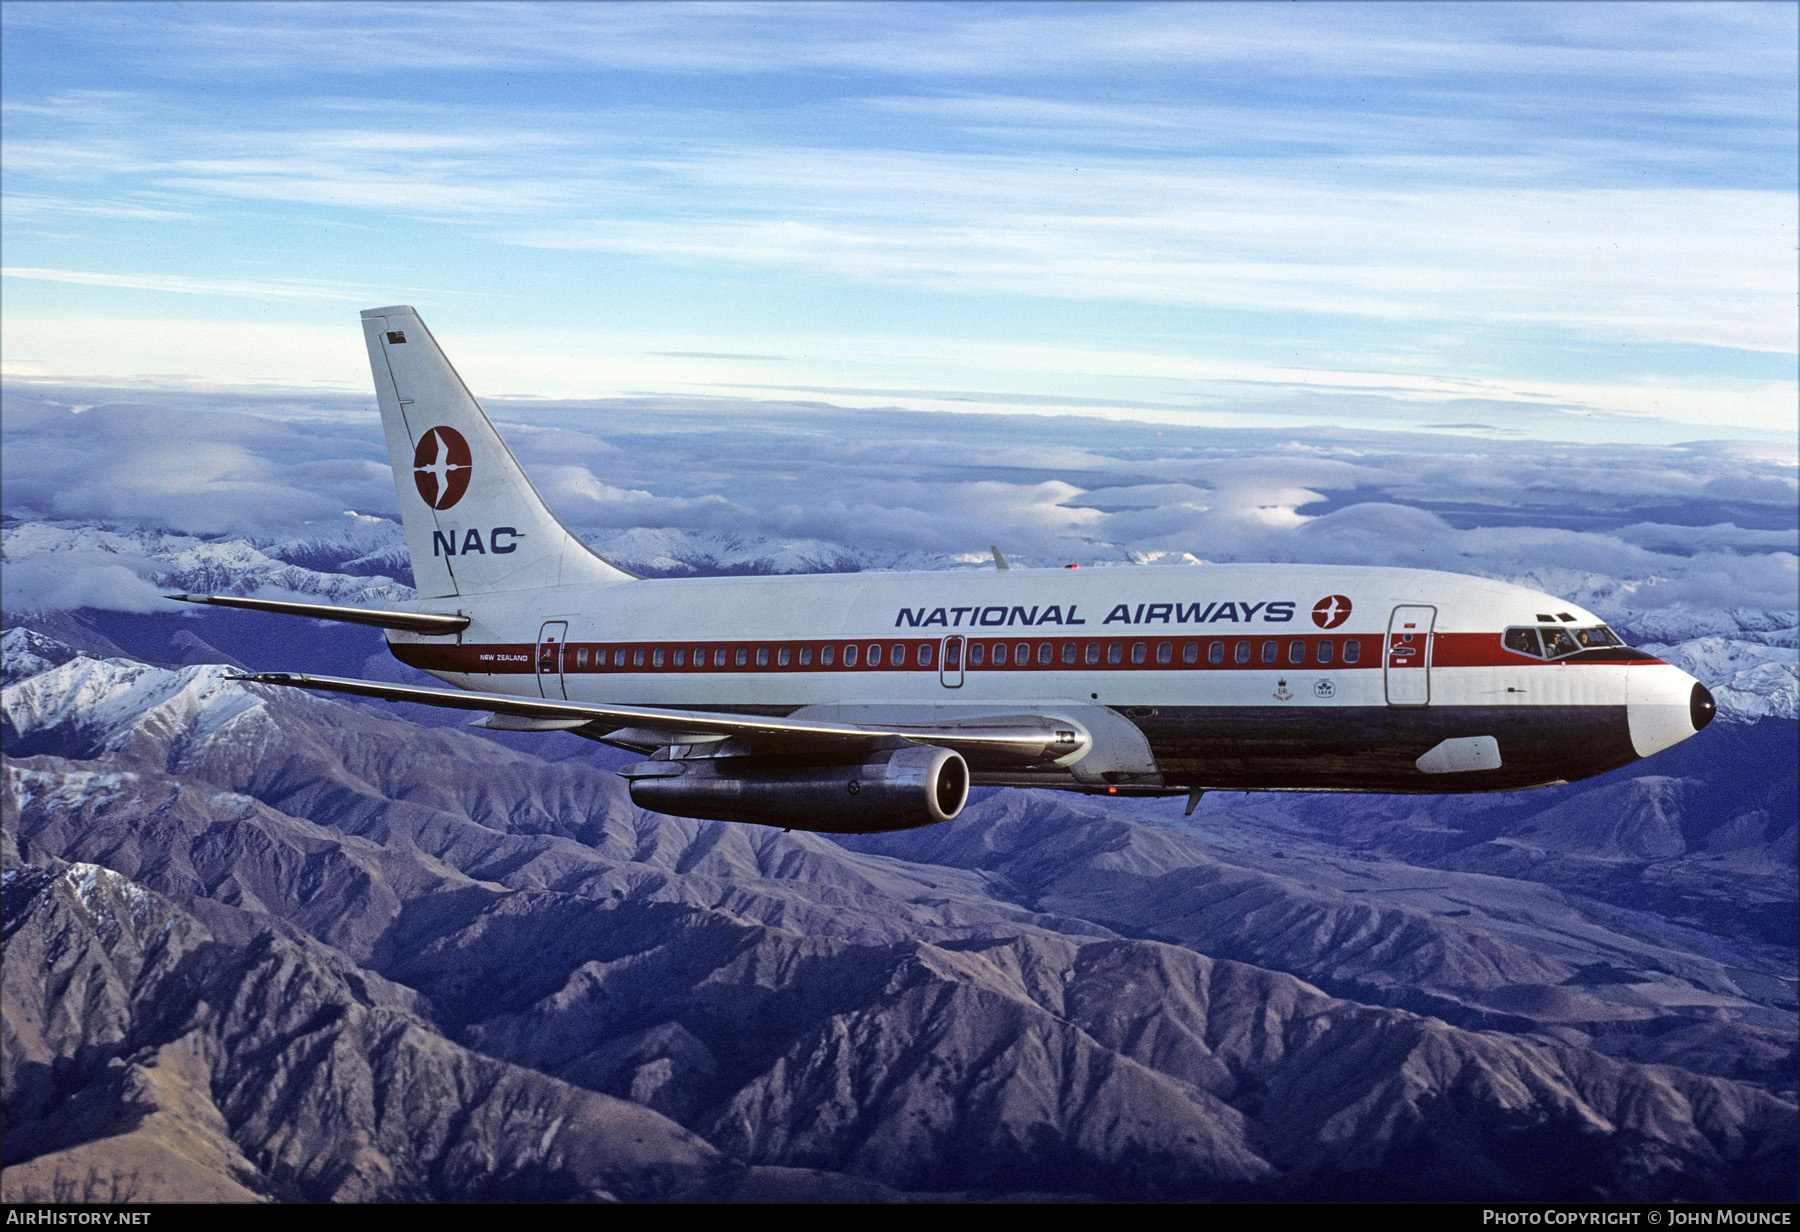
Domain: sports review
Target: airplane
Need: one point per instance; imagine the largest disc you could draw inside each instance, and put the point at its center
(858, 702)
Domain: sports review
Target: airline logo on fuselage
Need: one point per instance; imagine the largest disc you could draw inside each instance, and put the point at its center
(1331, 611)
(1231, 611)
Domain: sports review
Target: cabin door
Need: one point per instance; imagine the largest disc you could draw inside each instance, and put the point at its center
(1406, 664)
(550, 658)
(950, 662)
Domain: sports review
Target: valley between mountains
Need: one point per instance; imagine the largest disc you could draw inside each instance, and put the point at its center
(263, 946)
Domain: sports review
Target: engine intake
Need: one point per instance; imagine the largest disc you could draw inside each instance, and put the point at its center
(894, 790)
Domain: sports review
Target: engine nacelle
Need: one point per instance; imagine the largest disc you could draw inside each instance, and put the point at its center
(894, 790)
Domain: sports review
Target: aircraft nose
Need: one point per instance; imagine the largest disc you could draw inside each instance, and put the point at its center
(1701, 707)
(1664, 706)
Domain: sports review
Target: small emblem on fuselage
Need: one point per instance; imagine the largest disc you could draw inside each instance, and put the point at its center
(1331, 611)
(1281, 692)
(1324, 688)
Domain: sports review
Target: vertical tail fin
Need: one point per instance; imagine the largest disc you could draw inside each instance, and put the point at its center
(474, 524)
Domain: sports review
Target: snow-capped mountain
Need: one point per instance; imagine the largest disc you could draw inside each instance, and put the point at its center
(26, 652)
(1748, 679)
(171, 561)
(1749, 658)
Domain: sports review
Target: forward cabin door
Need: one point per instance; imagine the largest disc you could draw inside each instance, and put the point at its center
(1407, 664)
(550, 658)
(950, 662)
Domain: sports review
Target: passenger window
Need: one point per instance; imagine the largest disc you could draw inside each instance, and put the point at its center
(1190, 652)
(1044, 654)
(849, 656)
(874, 654)
(925, 655)
(826, 655)
(1115, 653)
(581, 658)
(656, 657)
(1093, 653)
(1165, 653)
(953, 655)
(1068, 654)
(1137, 652)
(806, 656)
(1271, 652)
(782, 656)
(1022, 654)
(1325, 651)
(898, 655)
(977, 652)
(1242, 653)
(1523, 641)
(637, 657)
(742, 657)
(681, 656)
(762, 656)
(718, 656)
(1352, 650)
(1215, 653)
(619, 657)
(1296, 652)
(999, 654)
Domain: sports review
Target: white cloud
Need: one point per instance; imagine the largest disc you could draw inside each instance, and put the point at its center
(299, 289)
(933, 489)
(66, 583)
(1373, 205)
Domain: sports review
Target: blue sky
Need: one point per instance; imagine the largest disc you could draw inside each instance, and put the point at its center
(1552, 220)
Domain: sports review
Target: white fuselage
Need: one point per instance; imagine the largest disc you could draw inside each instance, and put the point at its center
(1236, 674)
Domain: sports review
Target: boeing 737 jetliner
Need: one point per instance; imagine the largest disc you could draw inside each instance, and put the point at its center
(872, 701)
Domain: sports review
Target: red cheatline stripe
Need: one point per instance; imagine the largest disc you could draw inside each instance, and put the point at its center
(521, 658)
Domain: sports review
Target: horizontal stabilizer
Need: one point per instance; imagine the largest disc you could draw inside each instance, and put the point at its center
(412, 622)
(1017, 740)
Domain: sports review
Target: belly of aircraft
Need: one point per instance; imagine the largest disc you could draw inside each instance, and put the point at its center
(1377, 748)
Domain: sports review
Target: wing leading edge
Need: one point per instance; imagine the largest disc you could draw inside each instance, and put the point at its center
(989, 740)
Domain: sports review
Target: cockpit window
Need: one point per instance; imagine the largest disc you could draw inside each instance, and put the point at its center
(1524, 641)
(1557, 641)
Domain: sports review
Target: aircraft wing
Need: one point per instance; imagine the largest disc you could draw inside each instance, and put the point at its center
(416, 622)
(987, 740)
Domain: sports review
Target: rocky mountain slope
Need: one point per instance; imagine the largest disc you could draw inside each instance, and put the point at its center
(262, 945)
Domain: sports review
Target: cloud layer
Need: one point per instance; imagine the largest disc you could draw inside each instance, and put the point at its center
(1701, 525)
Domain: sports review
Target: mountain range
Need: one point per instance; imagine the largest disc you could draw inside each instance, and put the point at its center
(265, 946)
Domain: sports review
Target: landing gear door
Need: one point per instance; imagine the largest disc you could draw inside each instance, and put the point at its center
(549, 658)
(950, 662)
(1406, 659)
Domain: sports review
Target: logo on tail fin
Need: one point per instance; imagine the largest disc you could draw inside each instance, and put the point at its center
(442, 467)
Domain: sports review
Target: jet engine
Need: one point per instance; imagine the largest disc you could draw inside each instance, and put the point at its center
(896, 789)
